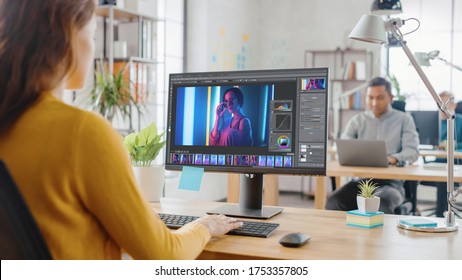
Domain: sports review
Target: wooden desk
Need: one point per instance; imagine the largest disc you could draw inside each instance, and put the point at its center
(330, 237)
(334, 169)
(438, 154)
(332, 153)
(411, 172)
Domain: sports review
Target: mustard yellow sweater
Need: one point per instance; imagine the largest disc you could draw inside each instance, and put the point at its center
(75, 175)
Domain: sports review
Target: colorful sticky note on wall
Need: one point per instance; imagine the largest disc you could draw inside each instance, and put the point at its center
(191, 178)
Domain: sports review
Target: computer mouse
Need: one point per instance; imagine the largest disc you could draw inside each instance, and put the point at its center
(295, 239)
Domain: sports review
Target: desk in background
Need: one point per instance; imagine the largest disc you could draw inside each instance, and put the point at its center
(439, 154)
(334, 169)
(332, 153)
(330, 237)
(412, 172)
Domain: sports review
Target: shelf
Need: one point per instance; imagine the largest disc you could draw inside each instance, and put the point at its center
(351, 81)
(143, 67)
(132, 59)
(355, 64)
(121, 14)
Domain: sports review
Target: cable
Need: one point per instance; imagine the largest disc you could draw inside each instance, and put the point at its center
(456, 208)
(418, 25)
(453, 205)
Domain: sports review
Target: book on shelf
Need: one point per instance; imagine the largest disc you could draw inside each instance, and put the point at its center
(364, 220)
(354, 70)
(360, 70)
(357, 101)
(349, 71)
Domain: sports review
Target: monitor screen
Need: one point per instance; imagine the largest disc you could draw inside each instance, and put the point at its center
(427, 123)
(249, 122)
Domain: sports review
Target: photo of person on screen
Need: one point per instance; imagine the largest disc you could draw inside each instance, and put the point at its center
(235, 130)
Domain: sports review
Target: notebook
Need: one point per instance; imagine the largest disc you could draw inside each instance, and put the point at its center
(355, 152)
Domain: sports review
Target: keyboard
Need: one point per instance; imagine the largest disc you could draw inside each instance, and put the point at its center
(249, 228)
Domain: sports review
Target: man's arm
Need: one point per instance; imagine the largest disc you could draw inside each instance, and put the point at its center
(409, 142)
(351, 128)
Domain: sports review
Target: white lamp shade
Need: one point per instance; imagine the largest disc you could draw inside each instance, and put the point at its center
(370, 28)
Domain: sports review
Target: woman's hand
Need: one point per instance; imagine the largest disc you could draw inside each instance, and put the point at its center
(218, 224)
(220, 110)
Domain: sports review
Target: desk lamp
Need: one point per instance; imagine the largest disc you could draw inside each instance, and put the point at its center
(372, 29)
(424, 59)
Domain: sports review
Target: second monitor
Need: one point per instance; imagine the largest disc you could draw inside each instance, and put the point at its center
(249, 122)
(427, 125)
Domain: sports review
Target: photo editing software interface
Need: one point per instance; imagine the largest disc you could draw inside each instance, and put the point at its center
(267, 121)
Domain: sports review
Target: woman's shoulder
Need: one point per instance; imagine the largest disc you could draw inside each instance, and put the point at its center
(81, 121)
(94, 125)
(245, 119)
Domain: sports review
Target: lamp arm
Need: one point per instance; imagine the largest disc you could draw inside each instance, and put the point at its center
(394, 29)
(449, 63)
(351, 91)
(397, 34)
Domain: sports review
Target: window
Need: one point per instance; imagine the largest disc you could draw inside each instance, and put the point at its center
(440, 29)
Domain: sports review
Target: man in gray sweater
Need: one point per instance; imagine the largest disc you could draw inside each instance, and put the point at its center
(398, 130)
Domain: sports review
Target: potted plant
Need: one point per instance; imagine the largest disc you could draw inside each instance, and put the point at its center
(400, 102)
(143, 148)
(366, 200)
(111, 93)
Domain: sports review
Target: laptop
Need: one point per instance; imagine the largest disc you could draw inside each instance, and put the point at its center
(355, 152)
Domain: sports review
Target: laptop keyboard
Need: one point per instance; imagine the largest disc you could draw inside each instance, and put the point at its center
(249, 228)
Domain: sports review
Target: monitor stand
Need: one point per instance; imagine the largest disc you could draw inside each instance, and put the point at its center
(250, 200)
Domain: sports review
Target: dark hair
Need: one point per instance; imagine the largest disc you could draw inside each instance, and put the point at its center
(237, 92)
(37, 39)
(379, 81)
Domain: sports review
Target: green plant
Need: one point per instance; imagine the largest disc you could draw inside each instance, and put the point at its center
(144, 147)
(111, 93)
(367, 188)
(395, 84)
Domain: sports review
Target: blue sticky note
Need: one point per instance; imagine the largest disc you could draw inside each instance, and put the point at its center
(418, 222)
(191, 178)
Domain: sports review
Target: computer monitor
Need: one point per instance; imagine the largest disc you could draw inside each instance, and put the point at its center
(427, 125)
(249, 122)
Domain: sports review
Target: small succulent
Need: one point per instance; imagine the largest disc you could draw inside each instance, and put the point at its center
(367, 188)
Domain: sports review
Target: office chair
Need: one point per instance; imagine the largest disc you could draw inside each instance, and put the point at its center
(399, 105)
(20, 237)
(409, 206)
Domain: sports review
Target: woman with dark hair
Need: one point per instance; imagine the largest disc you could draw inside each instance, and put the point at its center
(233, 131)
(70, 165)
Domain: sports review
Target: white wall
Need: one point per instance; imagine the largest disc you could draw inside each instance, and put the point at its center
(261, 34)
(440, 29)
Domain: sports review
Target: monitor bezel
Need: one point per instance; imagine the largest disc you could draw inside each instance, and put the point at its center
(250, 169)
